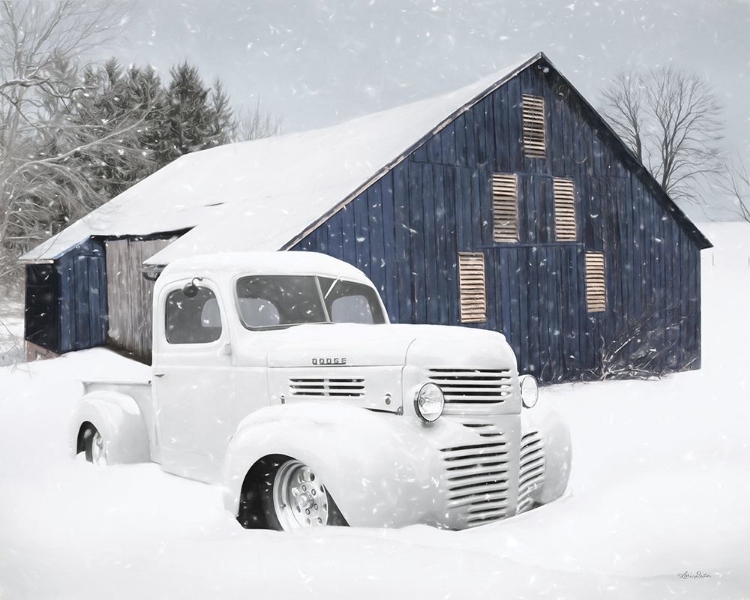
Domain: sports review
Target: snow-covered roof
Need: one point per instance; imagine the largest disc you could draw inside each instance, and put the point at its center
(260, 195)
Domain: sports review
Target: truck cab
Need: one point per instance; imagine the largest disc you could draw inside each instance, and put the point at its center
(274, 372)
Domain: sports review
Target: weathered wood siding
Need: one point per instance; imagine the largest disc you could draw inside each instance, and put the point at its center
(406, 229)
(130, 294)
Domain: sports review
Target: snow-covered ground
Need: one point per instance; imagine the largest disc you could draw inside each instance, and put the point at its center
(660, 493)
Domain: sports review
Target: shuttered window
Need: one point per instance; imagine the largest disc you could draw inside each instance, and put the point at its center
(534, 138)
(596, 288)
(565, 210)
(472, 287)
(505, 208)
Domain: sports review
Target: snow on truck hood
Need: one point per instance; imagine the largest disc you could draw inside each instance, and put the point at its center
(389, 345)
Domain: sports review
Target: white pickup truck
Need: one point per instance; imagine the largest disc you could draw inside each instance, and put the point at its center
(278, 376)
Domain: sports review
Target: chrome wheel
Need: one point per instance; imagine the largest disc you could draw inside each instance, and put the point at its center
(98, 452)
(299, 498)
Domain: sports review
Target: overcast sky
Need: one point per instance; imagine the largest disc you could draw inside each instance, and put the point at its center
(317, 62)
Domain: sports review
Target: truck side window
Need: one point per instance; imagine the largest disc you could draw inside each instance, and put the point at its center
(195, 320)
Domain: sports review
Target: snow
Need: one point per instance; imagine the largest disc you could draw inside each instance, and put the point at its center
(658, 493)
(259, 195)
(11, 330)
(277, 263)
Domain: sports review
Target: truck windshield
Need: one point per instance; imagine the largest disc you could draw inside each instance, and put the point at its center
(275, 301)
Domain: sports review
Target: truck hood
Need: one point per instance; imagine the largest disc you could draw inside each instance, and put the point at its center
(376, 345)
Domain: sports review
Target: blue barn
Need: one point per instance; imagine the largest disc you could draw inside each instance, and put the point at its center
(508, 205)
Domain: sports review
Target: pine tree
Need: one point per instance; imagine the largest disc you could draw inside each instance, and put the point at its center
(114, 100)
(189, 114)
(223, 119)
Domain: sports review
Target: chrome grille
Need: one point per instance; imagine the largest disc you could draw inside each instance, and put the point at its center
(531, 469)
(472, 391)
(483, 427)
(476, 481)
(321, 387)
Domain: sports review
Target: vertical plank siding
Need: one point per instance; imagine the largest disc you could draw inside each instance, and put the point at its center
(130, 295)
(406, 230)
(82, 299)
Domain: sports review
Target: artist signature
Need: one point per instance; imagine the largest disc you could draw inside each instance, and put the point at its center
(696, 575)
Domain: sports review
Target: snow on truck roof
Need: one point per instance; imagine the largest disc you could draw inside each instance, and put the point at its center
(263, 194)
(266, 263)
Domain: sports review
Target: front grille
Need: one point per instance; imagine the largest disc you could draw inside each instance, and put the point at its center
(320, 387)
(472, 391)
(531, 469)
(475, 481)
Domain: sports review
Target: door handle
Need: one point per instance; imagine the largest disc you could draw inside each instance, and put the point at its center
(158, 374)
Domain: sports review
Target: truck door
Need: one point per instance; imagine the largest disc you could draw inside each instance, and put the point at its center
(193, 379)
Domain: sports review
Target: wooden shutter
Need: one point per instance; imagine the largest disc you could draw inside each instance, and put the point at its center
(505, 208)
(534, 138)
(565, 210)
(472, 287)
(596, 286)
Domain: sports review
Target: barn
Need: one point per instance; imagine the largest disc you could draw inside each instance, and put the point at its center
(507, 205)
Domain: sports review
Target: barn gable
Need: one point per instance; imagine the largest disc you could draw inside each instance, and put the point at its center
(410, 225)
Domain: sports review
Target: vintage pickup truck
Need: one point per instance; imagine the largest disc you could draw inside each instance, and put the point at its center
(278, 376)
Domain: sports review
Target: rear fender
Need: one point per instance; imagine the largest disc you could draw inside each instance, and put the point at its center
(375, 465)
(119, 420)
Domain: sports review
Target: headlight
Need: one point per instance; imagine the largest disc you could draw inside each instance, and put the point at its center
(429, 402)
(529, 390)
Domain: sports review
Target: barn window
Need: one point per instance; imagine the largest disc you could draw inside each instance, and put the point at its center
(505, 208)
(596, 288)
(565, 210)
(472, 287)
(534, 138)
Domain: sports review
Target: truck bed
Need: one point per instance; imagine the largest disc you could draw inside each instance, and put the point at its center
(105, 366)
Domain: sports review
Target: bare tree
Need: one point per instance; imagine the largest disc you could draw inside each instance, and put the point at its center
(736, 183)
(671, 120)
(41, 43)
(254, 124)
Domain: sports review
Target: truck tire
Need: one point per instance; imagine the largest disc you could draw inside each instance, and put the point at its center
(94, 446)
(292, 497)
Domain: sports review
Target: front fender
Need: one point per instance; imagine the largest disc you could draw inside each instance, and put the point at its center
(377, 466)
(118, 419)
(557, 451)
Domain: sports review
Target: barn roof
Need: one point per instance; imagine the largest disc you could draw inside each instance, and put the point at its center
(264, 194)
(258, 195)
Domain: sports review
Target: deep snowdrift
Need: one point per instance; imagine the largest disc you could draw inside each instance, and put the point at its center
(660, 489)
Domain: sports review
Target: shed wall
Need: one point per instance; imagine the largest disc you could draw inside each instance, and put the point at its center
(130, 294)
(41, 316)
(82, 299)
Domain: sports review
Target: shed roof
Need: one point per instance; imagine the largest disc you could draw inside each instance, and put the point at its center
(263, 194)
